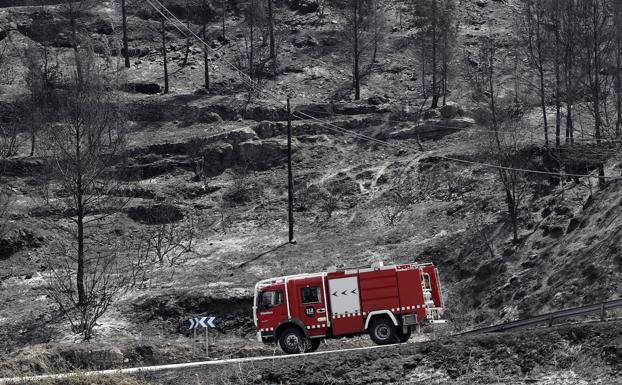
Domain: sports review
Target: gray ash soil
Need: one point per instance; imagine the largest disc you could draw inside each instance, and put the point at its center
(569, 252)
(577, 354)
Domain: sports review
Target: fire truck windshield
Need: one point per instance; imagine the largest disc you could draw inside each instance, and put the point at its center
(269, 299)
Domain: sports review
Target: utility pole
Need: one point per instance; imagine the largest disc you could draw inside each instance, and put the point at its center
(126, 52)
(290, 181)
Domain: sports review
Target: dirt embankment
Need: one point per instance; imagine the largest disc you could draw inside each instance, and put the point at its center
(580, 354)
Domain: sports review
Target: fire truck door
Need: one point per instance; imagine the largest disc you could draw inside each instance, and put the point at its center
(312, 306)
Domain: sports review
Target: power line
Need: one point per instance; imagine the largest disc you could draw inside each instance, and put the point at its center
(344, 131)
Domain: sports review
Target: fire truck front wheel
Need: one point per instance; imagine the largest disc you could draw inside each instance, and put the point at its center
(292, 340)
(383, 332)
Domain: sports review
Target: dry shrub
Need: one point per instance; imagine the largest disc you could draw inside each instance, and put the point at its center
(241, 190)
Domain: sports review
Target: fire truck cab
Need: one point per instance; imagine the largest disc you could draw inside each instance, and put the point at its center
(386, 302)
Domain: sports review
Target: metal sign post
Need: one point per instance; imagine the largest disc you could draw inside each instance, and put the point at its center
(206, 323)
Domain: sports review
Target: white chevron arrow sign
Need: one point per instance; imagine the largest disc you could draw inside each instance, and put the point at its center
(206, 322)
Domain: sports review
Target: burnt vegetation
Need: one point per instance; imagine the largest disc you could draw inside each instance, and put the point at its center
(143, 153)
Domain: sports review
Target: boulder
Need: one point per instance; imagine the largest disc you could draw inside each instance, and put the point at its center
(264, 154)
(156, 214)
(15, 240)
(208, 117)
(154, 169)
(358, 108)
(431, 114)
(217, 158)
(101, 26)
(432, 129)
(305, 41)
(22, 167)
(451, 110)
(144, 88)
(267, 129)
(304, 6)
(377, 100)
(235, 137)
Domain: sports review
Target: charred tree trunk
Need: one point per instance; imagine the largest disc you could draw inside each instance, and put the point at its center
(355, 70)
(558, 102)
(435, 95)
(164, 59)
(187, 49)
(541, 76)
(618, 73)
(357, 81)
(205, 55)
(74, 40)
(569, 71)
(223, 5)
(126, 52)
(423, 71)
(251, 26)
(272, 41)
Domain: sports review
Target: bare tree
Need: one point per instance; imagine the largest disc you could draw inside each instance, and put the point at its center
(9, 130)
(359, 16)
(568, 37)
(436, 39)
(74, 11)
(169, 243)
(205, 14)
(506, 142)
(434, 32)
(81, 148)
(164, 58)
(5, 204)
(448, 32)
(188, 41)
(271, 33)
(508, 153)
(107, 274)
(126, 52)
(399, 200)
(617, 22)
(251, 20)
(42, 78)
(223, 13)
(328, 202)
(594, 37)
(534, 14)
(9, 139)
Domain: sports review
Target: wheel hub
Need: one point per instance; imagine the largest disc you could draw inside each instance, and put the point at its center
(383, 332)
(292, 341)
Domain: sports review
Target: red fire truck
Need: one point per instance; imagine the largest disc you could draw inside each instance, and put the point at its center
(387, 302)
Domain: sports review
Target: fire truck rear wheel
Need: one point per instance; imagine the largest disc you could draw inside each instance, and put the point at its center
(404, 336)
(314, 344)
(382, 331)
(293, 341)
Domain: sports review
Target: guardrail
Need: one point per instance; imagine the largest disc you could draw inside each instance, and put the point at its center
(550, 317)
